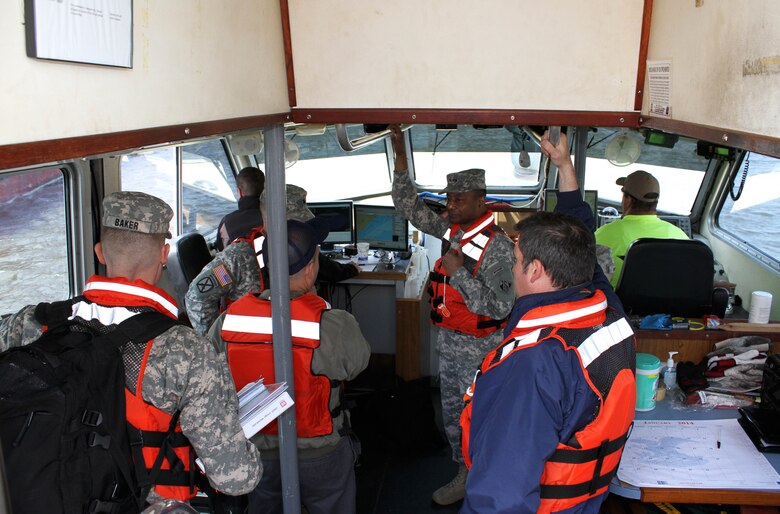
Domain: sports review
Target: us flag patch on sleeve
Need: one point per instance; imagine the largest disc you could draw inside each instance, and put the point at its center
(222, 275)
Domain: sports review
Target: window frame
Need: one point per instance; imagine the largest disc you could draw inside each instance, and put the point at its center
(75, 228)
(178, 157)
(727, 237)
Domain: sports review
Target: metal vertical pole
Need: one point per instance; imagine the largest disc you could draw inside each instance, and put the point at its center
(580, 154)
(276, 227)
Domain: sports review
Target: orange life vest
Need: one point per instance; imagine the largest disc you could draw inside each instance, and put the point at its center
(448, 308)
(176, 475)
(247, 330)
(175, 479)
(582, 467)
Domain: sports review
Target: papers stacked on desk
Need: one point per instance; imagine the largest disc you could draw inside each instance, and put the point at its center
(259, 404)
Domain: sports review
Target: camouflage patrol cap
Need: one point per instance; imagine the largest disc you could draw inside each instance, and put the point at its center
(296, 203)
(137, 212)
(465, 181)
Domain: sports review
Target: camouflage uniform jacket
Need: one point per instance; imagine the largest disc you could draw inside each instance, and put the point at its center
(489, 293)
(233, 273)
(183, 371)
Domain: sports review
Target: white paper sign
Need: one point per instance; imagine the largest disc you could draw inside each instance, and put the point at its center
(659, 77)
(86, 31)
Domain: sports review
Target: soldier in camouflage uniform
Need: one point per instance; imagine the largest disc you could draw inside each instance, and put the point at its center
(183, 371)
(476, 273)
(236, 270)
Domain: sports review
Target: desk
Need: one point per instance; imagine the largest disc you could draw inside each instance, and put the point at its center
(393, 318)
(663, 410)
(692, 345)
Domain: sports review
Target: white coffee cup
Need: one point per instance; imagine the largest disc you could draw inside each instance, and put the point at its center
(760, 305)
(362, 251)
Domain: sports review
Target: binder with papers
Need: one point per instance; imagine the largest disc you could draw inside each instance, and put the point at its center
(259, 404)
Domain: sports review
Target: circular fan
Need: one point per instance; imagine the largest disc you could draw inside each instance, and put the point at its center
(291, 153)
(246, 144)
(623, 150)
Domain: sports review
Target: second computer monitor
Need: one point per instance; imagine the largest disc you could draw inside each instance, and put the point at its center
(591, 197)
(339, 217)
(381, 227)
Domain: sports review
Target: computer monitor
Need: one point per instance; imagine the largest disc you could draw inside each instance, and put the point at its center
(591, 197)
(339, 217)
(381, 227)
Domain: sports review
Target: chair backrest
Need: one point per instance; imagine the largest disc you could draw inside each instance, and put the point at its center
(189, 254)
(667, 276)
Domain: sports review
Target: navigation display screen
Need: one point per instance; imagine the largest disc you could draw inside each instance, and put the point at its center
(381, 227)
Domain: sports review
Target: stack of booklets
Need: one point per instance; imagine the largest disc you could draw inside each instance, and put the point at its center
(259, 404)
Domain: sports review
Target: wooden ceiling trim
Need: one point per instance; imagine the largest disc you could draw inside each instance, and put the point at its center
(753, 142)
(288, 56)
(644, 43)
(56, 150)
(468, 117)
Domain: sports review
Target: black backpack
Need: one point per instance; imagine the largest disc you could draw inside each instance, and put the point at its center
(62, 416)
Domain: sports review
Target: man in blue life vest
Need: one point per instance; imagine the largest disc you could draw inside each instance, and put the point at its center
(548, 412)
(328, 348)
(471, 288)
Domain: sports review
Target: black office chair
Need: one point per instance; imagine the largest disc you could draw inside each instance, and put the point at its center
(189, 253)
(670, 276)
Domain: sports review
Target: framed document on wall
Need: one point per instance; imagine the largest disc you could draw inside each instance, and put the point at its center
(84, 31)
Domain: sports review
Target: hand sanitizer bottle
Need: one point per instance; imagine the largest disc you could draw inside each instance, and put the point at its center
(670, 375)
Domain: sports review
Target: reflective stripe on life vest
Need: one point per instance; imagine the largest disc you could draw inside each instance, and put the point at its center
(448, 308)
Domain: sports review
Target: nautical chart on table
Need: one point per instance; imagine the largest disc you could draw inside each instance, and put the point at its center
(708, 454)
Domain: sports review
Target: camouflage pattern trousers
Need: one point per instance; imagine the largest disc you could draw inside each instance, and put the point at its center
(460, 356)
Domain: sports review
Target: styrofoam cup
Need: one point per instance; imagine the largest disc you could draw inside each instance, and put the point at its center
(760, 305)
(362, 251)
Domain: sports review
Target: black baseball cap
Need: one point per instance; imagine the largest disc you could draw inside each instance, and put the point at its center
(302, 241)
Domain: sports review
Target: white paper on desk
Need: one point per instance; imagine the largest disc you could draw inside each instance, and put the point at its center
(685, 454)
(367, 264)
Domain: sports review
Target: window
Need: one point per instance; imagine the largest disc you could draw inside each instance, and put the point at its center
(679, 170)
(33, 231)
(497, 150)
(208, 189)
(329, 173)
(751, 209)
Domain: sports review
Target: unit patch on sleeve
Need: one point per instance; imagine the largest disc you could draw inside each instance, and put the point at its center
(205, 284)
(221, 274)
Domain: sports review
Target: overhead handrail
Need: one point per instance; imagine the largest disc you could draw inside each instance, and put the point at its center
(350, 145)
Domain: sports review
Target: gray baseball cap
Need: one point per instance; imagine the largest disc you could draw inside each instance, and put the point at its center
(137, 212)
(465, 181)
(641, 185)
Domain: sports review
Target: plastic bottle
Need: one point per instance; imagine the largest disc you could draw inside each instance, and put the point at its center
(670, 375)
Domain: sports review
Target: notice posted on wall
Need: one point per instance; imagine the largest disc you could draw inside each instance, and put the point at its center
(659, 78)
(84, 31)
